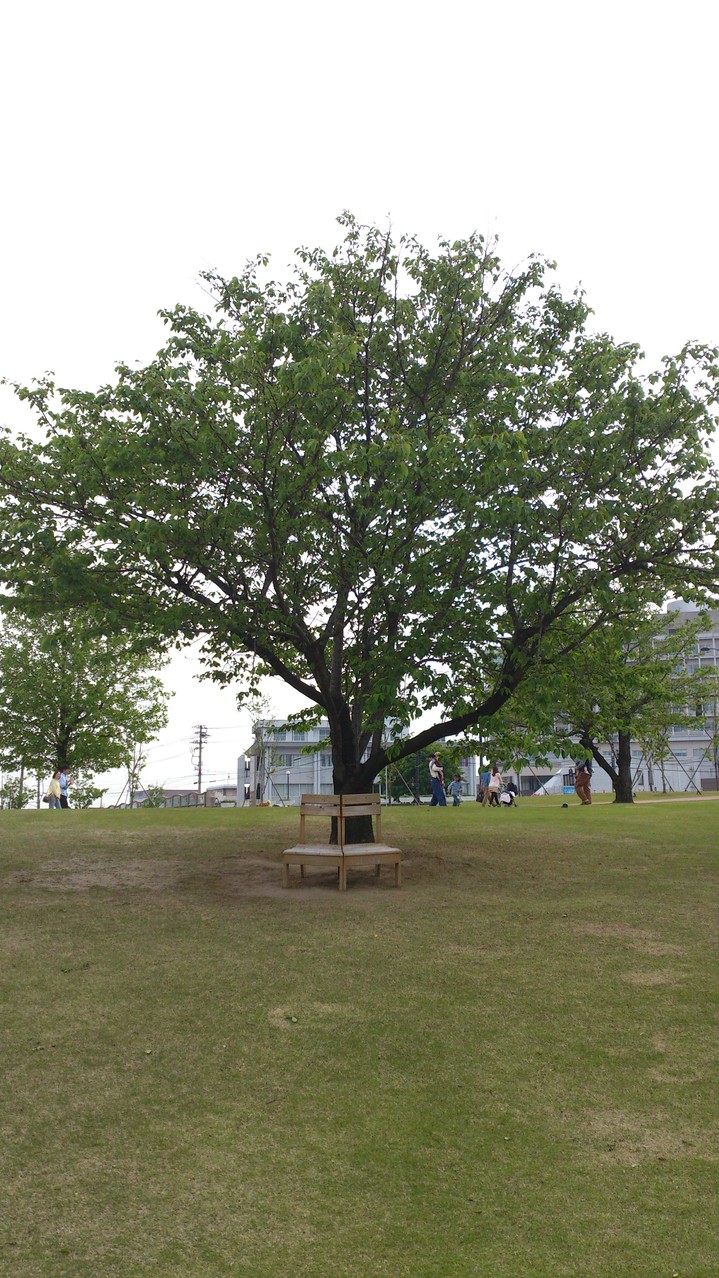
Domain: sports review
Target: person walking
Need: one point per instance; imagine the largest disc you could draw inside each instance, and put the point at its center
(455, 789)
(66, 780)
(53, 789)
(492, 789)
(436, 777)
(582, 780)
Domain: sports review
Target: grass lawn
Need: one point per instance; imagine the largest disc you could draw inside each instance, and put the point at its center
(506, 1069)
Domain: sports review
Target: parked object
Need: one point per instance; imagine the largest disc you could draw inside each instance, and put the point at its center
(508, 797)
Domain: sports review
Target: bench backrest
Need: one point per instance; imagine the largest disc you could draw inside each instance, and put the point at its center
(339, 807)
(319, 805)
(355, 805)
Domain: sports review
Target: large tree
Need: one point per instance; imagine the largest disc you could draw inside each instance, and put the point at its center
(71, 694)
(385, 482)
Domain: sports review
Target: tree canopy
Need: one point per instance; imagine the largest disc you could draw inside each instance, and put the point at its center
(385, 481)
(72, 695)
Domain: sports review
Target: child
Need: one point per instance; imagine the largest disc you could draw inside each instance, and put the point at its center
(455, 789)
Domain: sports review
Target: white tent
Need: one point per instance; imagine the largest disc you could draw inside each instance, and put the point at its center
(555, 785)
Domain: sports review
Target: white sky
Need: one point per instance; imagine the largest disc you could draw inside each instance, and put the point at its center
(144, 142)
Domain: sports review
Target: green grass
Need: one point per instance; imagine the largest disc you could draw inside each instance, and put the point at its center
(505, 1069)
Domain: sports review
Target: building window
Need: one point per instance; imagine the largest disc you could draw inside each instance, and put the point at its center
(283, 760)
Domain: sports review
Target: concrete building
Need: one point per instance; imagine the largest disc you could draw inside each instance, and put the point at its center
(692, 762)
(284, 762)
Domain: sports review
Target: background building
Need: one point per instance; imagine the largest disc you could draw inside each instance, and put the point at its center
(284, 762)
(692, 761)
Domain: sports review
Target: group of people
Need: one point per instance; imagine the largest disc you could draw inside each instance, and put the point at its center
(439, 789)
(493, 791)
(57, 791)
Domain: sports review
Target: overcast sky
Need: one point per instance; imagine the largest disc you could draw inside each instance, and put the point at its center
(145, 142)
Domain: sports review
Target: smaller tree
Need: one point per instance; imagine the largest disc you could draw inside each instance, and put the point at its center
(72, 692)
(154, 796)
(85, 793)
(14, 793)
(622, 683)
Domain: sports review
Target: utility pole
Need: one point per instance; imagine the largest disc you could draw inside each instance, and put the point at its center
(201, 735)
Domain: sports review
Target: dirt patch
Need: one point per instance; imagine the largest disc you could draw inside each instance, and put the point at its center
(122, 876)
(634, 1139)
(230, 877)
(620, 931)
(311, 1014)
(651, 978)
(675, 1077)
(643, 941)
(659, 949)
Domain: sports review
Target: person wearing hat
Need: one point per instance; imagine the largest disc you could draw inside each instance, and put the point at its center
(436, 777)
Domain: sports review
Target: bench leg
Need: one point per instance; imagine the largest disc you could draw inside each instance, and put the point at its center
(285, 874)
(302, 870)
(377, 869)
(343, 877)
(398, 873)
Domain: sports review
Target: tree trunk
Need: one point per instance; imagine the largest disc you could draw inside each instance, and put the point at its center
(349, 776)
(621, 776)
(357, 829)
(623, 784)
(588, 744)
(62, 746)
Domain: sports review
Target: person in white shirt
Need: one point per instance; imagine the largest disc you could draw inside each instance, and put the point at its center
(491, 791)
(436, 776)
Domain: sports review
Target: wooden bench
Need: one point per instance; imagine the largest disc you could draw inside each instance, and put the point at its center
(341, 855)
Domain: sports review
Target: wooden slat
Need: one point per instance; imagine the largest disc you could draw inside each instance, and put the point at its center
(313, 849)
(360, 800)
(321, 804)
(370, 849)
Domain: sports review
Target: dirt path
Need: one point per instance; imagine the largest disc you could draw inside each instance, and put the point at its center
(682, 798)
